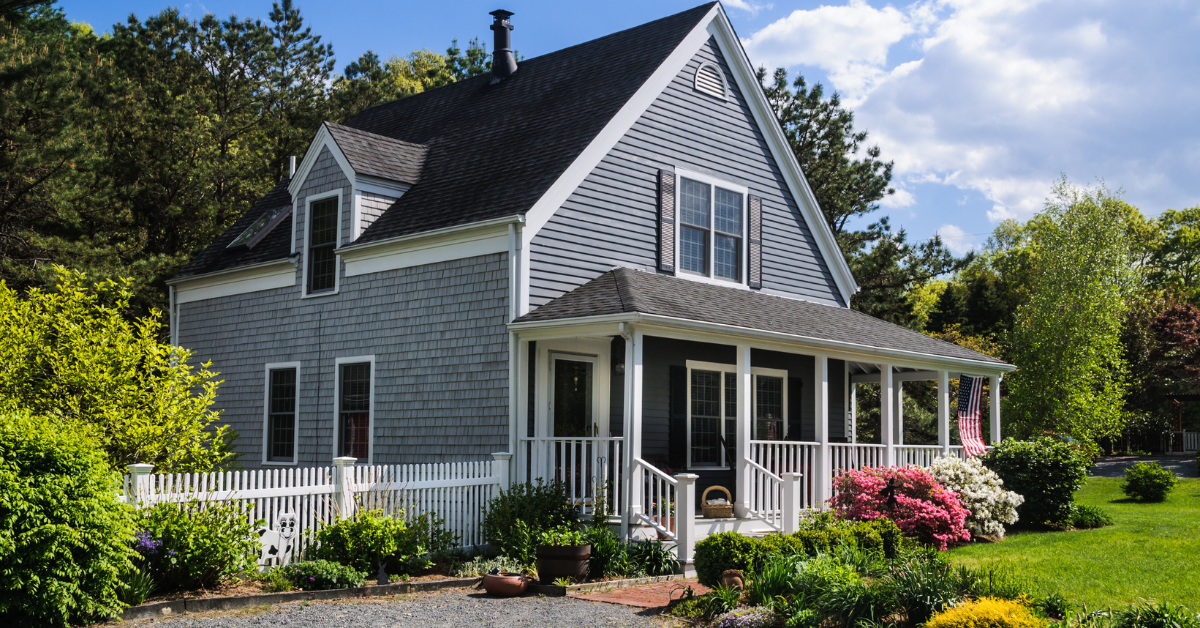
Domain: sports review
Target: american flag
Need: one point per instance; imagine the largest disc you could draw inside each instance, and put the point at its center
(970, 391)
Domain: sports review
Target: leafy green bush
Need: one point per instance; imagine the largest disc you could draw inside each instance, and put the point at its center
(994, 583)
(1148, 482)
(1088, 517)
(1155, 615)
(370, 540)
(610, 556)
(316, 575)
(73, 353)
(1045, 471)
(652, 558)
(479, 566)
(562, 536)
(925, 584)
(64, 532)
(195, 545)
(716, 553)
(515, 518)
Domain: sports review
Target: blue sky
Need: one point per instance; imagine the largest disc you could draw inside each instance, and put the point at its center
(981, 103)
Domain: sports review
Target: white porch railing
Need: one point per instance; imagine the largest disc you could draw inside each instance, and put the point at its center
(659, 499)
(583, 465)
(766, 498)
(845, 457)
(780, 457)
(917, 455)
(1181, 442)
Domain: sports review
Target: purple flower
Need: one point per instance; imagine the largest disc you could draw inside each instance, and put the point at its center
(170, 552)
(147, 545)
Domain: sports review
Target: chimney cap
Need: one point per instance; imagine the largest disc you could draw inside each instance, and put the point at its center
(501, 14)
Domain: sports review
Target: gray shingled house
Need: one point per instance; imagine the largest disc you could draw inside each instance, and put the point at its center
(605, 260)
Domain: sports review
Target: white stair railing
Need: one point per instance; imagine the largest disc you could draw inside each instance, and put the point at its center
(668, 505)
(766, 497)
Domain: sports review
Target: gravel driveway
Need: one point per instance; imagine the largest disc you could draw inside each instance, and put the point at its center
(450, 608)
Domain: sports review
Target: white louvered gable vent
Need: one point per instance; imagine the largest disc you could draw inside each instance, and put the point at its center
(710, 80)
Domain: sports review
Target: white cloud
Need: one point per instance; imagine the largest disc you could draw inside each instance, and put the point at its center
(902, 198)
(958, 241)
(1000, 97)
(746, 6)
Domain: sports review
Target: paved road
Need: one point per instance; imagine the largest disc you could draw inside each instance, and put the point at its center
(1115, 466)
(452, 608)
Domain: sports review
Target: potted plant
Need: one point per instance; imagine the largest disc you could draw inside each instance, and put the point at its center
(562, 552)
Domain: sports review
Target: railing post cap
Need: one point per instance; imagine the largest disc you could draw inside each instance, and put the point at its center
(691, 477)
(792, 475)
(502, 455)
(140, 468)
(344, 461)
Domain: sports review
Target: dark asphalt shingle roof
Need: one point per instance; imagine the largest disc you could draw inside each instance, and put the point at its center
(478, 151)
(379, 156)
(623, 290)
(276, 245)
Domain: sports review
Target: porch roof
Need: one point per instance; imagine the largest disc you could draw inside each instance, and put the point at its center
(628, 291)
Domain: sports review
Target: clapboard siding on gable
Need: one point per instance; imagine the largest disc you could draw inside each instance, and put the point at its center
(441, 358)
(612, 218)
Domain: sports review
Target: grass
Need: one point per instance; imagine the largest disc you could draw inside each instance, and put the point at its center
(1152, 551)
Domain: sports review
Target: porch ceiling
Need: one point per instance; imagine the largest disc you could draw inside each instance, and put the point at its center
(659, 298)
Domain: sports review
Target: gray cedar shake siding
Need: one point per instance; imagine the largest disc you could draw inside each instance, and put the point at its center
(441, 358)
(612, 218)
(371, 207)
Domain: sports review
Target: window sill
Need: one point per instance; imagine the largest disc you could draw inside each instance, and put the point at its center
(728, 283)
(276, 463)
(314, 295)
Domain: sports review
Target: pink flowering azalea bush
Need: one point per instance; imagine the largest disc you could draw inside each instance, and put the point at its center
(923, 508)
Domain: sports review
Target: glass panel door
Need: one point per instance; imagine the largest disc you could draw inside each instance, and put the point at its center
(768, 408)
(571, 387)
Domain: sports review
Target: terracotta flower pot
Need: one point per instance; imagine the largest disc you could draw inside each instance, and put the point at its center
(569, 561)
(505, 584)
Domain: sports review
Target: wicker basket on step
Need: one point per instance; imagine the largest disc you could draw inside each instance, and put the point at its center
(717, 511)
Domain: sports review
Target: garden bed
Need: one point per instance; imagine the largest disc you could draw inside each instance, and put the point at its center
(197, 604)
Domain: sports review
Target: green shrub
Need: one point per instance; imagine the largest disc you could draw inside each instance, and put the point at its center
(195, 545)
(136, 588)
(653, 558)
(993, 583)
(562, 536)
(925, 584)
(1089, 517)
(854, 602)
(64, 532)
(1155, 615)
(690, 608)
(1148, 482)
(986, 613)
(479, 566)
(370, 540)
(1045, 471)
(716, 553)
(316, 575)
(515, 518)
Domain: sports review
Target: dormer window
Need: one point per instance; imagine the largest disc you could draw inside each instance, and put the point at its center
(712, 228)
(322, 240)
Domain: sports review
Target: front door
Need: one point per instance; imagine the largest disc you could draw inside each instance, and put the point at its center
(571, 395)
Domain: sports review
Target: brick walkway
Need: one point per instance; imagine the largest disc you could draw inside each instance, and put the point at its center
(646, 596)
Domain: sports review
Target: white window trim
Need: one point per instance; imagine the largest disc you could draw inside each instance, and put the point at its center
(707, 366)
(279, 366)
(337, 258)
(680, 174)
(337, 404)
(721, 74)
(755, 372)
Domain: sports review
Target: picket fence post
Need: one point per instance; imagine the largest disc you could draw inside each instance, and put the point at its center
(343, 496)
(501, 468)
(139, 484)
(791, 502)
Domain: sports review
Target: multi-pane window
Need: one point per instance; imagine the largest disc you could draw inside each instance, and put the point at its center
(712, 415)
(768, 408)
(322, 240)
(711, 230)
(281, 415)
(354, 410)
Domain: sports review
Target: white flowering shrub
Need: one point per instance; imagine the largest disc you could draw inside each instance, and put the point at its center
(981, 491)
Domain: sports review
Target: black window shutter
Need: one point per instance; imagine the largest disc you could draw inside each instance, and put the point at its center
(679, 416)
(795, 404)
(755, 241)
(666, 221)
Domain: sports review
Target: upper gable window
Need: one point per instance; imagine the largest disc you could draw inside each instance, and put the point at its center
(710, 80)
(712, 228)
(322, 240)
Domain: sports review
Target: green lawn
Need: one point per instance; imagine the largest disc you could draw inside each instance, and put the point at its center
(1152, 551)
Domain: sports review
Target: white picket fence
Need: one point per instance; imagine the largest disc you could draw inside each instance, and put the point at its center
(317, 496)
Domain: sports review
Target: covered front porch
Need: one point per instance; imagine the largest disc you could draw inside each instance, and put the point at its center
(641, 413)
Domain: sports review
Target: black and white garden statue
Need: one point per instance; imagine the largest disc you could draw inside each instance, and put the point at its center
(278, 543)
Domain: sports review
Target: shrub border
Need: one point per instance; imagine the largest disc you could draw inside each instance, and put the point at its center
(200, 605)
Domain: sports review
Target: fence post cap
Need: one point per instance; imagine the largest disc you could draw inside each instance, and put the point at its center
(344, 461)
(792, 475)
(688, 477)
(502, 455)
(140, 468)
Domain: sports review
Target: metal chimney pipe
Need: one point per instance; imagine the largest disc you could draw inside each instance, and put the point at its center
(503, 61)
(291, 166)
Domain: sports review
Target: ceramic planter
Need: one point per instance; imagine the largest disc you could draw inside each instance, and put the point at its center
(570, 561)
(505, 584)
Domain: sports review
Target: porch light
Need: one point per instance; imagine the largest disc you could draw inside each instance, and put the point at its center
(619, 368)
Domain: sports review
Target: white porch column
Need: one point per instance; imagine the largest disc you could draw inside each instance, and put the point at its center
(518, 406)
(994, 399)
(633, 423)
(887, 400)
(741, 503)
(853, 412)
(822, 482)
(943, 409)
(898, 428)
(685, 516)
